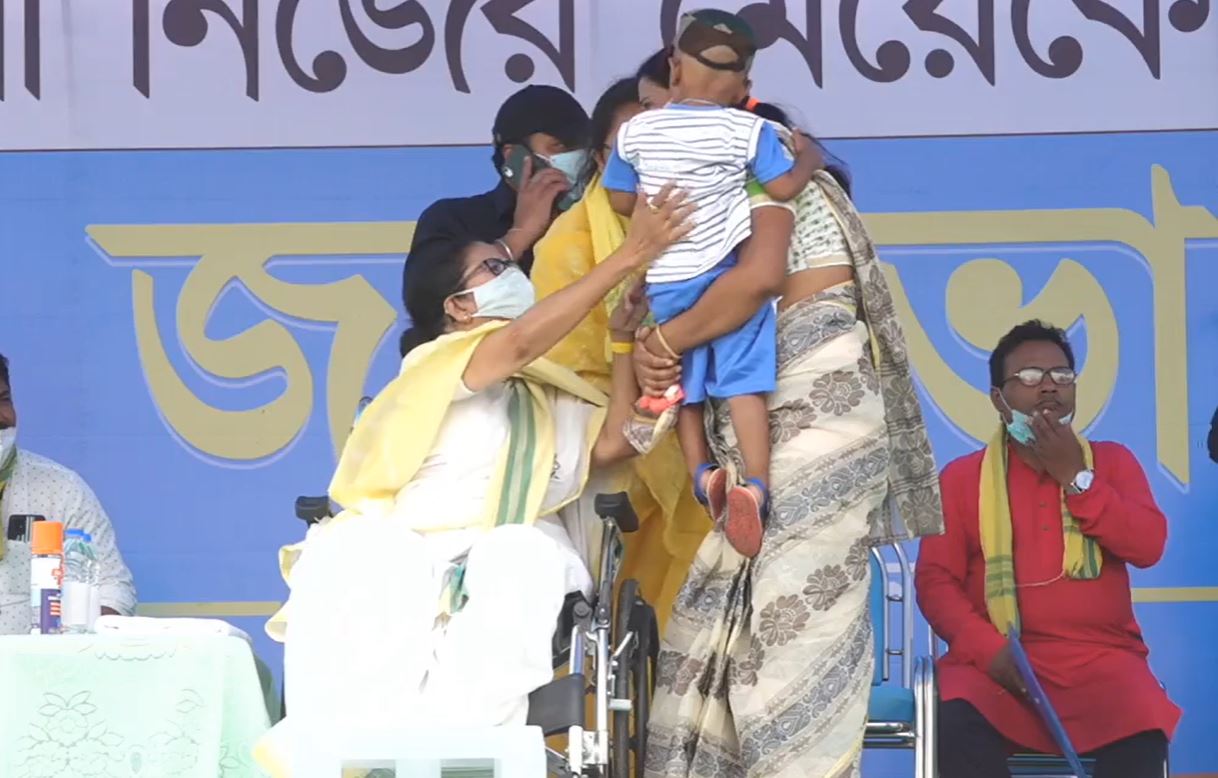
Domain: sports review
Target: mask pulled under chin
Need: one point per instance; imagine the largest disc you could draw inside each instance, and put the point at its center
(1020, 425)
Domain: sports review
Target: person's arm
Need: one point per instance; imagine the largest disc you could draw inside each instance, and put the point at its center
(782, 179)
(622, 202)
(84, 512)
(621, 181)
(505, 351)
(940, 573)
(1119, 511)
(611, 445)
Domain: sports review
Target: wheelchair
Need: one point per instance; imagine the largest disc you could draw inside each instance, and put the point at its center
(609, 650)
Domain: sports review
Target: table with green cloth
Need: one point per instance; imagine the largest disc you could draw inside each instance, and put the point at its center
(108, 706)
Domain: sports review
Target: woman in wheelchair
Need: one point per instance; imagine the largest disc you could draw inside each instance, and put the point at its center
(432, 598)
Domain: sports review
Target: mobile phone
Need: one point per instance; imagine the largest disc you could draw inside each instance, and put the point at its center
(513, 165)
(19, 526)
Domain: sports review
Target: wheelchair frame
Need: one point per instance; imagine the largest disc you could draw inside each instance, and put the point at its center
(616, 650)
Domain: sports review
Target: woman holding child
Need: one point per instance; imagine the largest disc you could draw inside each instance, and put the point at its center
(767, 663)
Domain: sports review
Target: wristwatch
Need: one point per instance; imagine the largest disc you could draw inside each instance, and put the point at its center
(1082, 482)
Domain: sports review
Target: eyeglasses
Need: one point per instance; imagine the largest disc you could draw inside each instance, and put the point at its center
(1033, 376)
(493, 265)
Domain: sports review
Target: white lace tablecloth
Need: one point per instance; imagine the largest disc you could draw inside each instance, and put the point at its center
(91, 706)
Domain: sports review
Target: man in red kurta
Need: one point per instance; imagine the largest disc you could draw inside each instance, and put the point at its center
(1081, 635)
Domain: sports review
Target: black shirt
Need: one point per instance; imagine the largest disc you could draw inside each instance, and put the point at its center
(486, 217)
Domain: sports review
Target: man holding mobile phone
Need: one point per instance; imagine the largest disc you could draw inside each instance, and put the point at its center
(32, 486)
(540, 147)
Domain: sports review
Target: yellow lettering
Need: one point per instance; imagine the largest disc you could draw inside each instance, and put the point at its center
(230, 253)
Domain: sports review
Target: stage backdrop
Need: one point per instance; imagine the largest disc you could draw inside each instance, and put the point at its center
(205, 207)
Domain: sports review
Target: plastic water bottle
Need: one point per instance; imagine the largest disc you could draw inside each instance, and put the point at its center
(94, 581)
(78, 578)
(46, 578)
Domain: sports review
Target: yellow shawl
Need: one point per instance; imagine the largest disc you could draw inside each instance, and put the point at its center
(397, 431)
(1081, 560)
(672, 523)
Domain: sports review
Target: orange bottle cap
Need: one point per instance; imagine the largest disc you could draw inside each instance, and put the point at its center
(48, 537)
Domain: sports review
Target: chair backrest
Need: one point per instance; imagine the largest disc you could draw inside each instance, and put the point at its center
(892, 591)
(878, 602)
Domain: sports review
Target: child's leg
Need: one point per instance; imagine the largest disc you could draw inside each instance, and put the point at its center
(751, 421)
(691, 434)
(710, 481)
(748, 505)
(744, 367)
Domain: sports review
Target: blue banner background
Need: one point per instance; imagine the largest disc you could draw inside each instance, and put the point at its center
(198, 528)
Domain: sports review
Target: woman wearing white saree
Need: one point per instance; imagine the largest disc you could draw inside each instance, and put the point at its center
(432, 598)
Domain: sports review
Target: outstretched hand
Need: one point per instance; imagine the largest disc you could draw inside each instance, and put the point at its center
(657, 223)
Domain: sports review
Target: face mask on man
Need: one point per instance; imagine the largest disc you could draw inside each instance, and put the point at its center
(8, 444)
(571, 164)
(506, 296)
(1020, 425)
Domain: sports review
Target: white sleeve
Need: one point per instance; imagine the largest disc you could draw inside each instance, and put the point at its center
(83, 511)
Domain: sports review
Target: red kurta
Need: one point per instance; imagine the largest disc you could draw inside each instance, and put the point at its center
(1081, 636)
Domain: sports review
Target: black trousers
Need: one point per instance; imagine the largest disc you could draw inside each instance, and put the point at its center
(970, 747)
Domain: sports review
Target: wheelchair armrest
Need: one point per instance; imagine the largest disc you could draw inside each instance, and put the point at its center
(576, 611)
(312, 510)
(559, 705)
(616, 507)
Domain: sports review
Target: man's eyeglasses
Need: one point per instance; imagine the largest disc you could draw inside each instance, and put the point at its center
(493, 265)
(1033, 376)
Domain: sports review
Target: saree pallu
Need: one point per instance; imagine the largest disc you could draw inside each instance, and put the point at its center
(766, 667)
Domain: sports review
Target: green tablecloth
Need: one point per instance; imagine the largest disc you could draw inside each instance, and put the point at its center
(121, 707)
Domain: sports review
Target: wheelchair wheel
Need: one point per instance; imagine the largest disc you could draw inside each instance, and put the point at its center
(644, 677)
(634, 680)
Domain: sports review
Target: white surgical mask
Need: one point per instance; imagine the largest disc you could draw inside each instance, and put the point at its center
(8, 443)
(571, 164)
(506, 296)
(1020, 425)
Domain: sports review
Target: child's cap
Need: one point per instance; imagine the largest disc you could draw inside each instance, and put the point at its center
(710, 28)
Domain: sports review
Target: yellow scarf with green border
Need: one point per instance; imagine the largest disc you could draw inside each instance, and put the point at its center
(1082, 559)
(398, 429)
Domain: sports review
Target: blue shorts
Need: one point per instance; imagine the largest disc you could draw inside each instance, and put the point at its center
(741, 362)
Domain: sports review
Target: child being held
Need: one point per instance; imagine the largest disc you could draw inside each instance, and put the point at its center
(709, 149)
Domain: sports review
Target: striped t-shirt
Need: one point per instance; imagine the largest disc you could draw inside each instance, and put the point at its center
(708, 151)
